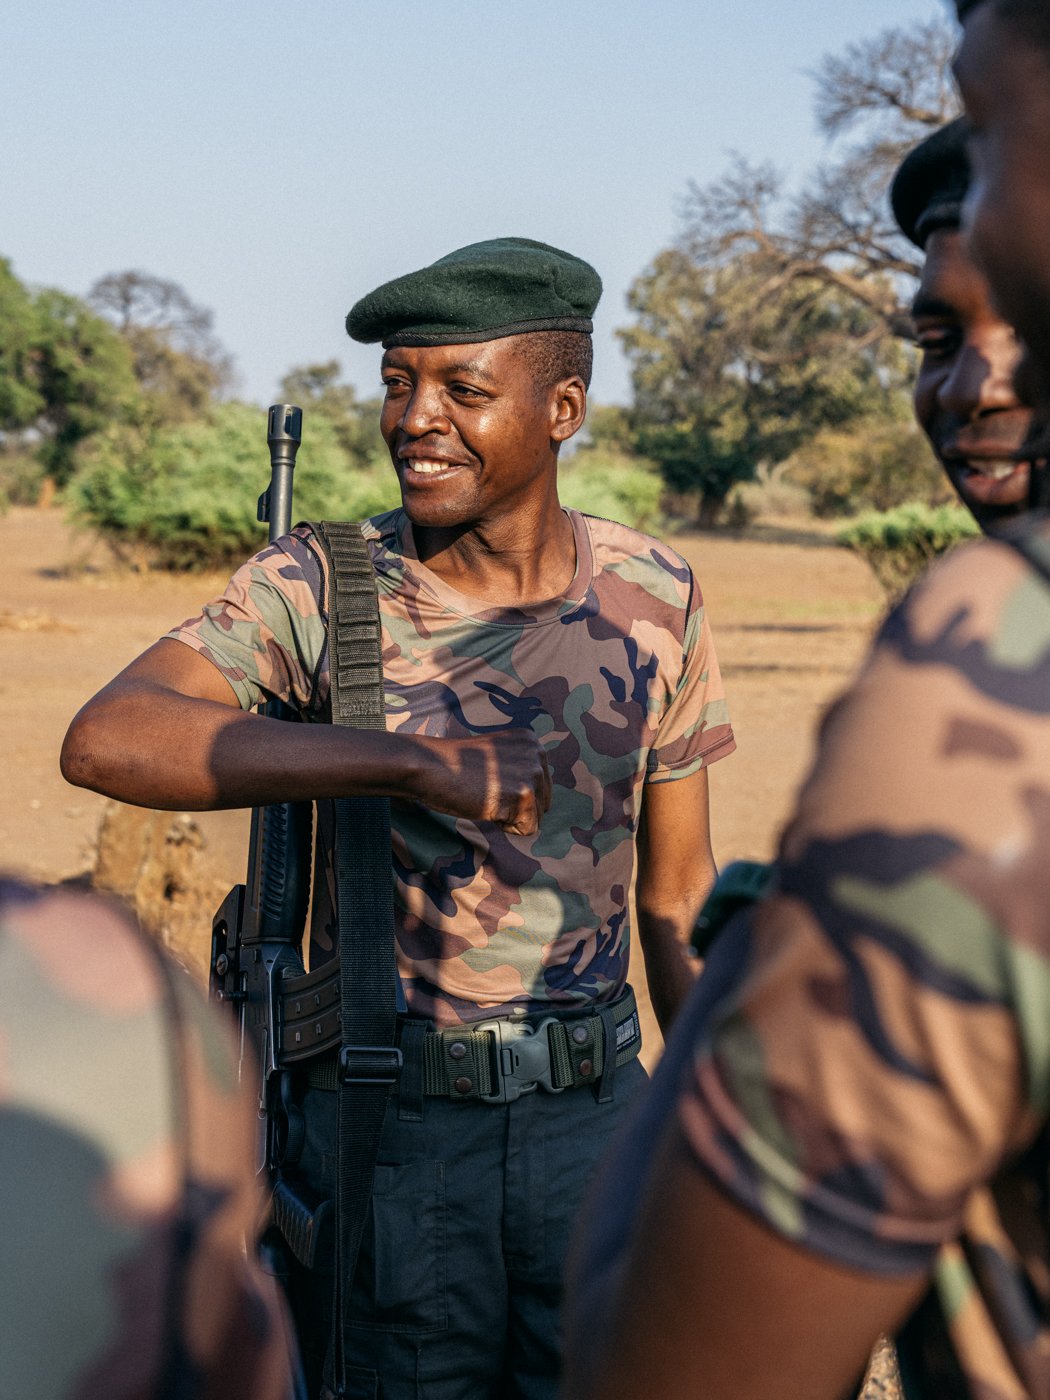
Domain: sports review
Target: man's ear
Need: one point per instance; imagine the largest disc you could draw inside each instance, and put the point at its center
(568, 408)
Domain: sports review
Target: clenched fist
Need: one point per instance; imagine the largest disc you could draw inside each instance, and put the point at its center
(502, 777)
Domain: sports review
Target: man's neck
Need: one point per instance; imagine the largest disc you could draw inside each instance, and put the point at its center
(515, 562)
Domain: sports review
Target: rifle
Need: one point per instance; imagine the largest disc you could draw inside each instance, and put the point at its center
(287, 1016)
(257, 932)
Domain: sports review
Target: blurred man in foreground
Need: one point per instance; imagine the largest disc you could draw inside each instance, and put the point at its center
(125, 1160)
(965, 400)
(1003, 70)
(849, 1131)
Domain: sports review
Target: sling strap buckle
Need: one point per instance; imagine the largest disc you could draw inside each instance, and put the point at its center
(522, 1058)
(370, 1064)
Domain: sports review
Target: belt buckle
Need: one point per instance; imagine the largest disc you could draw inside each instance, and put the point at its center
(523, 1058)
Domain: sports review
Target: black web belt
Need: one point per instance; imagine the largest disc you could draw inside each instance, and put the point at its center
(499, 1060)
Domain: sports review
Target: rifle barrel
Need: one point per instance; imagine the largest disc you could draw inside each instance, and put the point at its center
(284, 434)
(277, 889)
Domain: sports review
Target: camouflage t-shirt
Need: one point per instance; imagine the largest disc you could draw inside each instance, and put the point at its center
(875, 1084)
(618, 678)
(126, 1162)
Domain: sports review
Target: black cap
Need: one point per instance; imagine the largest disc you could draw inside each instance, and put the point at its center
(929, 187)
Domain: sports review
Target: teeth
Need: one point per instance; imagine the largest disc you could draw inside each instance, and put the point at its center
(998, 471)
(427, 468)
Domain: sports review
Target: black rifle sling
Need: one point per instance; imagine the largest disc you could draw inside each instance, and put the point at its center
(363, 868)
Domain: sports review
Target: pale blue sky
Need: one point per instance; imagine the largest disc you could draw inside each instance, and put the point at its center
(280, 160)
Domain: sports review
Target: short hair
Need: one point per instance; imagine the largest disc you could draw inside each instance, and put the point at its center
(551, 356)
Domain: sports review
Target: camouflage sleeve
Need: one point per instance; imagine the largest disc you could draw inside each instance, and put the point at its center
(694, 730)
(883, 1046)
(125, 1155)
(267, 634)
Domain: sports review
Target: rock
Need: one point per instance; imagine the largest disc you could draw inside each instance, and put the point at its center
(883, 1378)
(156, 862)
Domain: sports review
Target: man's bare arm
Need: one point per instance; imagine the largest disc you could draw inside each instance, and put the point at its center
(708, 1301)
(168, 732)
(676, 869)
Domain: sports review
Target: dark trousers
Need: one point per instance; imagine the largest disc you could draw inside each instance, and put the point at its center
(458, 1289)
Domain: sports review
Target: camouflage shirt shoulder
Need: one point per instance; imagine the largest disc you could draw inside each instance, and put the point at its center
(125, 1156)
(876, 1069)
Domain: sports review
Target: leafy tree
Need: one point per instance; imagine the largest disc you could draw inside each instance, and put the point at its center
(84, 375)
(63, 374)
(21, 402)
(772, 318)
(184, 495)
(615, 485)
(877, 462)
(726, 381)
(178, 361)
(608, 428)
(319, 389)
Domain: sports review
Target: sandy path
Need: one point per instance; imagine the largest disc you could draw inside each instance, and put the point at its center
(62, 636)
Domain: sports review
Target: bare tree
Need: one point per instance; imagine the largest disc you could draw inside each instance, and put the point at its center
(776, 315)
(899, 82)
(178, 360)
(885, 92)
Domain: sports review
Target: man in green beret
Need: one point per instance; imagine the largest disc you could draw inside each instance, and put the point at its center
(965, 400)
(553, 701)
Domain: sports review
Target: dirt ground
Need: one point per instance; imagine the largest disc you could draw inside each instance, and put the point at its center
(791, 614)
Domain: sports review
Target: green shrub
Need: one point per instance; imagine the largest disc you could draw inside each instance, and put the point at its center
(184, 496)
(613, 485)
(21, 478)
(898, 544)
(876, 463)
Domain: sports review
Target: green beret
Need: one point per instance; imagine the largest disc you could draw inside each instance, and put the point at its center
(505, 286)
(929, 188)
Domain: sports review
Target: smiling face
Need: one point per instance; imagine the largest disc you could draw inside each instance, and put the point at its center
(964, 394)
(473, 435)
(1004, 78)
